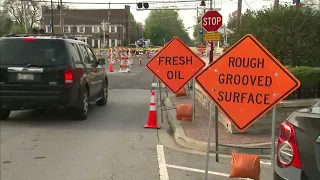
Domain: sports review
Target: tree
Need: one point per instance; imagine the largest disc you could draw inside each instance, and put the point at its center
(140, 29)
(5, 22)
(312, 3)
(32, 11)
(197, 27)
(162, 25)
(232, 22)
(16, 29)
(133, 29)
(291, 34)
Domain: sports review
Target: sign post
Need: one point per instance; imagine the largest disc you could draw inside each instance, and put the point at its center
(211, 21)
(246, 82)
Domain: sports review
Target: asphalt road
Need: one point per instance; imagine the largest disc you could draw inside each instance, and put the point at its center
(110, 145)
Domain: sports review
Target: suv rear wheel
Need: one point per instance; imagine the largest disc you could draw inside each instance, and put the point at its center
(81, 111)
(4, 113)
(103, 101)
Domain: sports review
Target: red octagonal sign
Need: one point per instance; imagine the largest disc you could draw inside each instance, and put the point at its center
(211, 21)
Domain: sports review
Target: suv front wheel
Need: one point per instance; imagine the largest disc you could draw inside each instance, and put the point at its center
(81, 111)
(4, 113)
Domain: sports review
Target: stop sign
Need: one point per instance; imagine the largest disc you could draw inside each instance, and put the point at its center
(211, 21)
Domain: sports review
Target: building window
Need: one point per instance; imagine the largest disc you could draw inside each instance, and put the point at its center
(96, 29)
(67, 29)
(81, 29)
(112, 29)
(48, 28)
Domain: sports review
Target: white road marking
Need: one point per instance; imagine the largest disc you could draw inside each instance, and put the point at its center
(163, 171)
(265, 162)
(200, 171)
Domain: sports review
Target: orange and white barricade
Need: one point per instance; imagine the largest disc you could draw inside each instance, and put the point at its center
(124, 64)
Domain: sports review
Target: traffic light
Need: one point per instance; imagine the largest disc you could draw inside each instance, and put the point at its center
(142, 5)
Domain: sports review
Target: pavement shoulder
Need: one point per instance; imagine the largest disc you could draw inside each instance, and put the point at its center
(183, 140)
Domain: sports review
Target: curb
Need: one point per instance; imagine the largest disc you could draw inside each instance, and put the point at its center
(183, 140)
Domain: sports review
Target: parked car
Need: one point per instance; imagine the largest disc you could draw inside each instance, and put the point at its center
(298, 151)
(50, 71)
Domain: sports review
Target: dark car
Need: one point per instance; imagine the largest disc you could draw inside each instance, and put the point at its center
(46, 71)
(298, 151)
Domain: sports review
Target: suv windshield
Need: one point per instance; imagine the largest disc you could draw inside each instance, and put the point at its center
(45, 52)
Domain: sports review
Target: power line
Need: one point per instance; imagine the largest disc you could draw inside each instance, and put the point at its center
(126, 3)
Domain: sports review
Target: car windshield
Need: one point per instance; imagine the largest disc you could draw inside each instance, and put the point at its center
(20, 51)
(317, 105)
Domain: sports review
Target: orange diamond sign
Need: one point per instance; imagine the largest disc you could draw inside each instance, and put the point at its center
(175, 64)
(246, 82)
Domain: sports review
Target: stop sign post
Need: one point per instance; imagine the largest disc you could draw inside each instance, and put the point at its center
(211, 21)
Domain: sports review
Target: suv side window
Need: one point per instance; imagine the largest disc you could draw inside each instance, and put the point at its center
(75, 53)
(91, 55)
(84, 53)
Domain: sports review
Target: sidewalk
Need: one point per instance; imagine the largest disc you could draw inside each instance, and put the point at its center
(194, 136)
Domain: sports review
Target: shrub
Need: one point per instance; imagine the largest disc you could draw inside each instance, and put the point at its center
(308, 76)
(310, 82)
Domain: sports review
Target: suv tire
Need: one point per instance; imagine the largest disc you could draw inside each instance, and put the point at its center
(4, 113)
(103, 101)
(81, 111)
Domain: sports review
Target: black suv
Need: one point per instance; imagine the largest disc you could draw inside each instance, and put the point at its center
(45, 71)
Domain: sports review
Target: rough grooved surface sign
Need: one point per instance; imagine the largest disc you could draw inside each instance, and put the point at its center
(246, 82)
(175, 64)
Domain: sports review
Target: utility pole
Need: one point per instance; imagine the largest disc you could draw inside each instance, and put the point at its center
(104, 28)
(198, 25)
(298, 3)
(203, 30)
(239, 12)
(61, 23)
(24, 16)
(276, 4)
(51, 17)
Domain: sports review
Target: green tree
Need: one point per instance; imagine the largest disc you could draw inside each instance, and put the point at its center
(5, 22)
(133, 29)
(291, 34)
(232, 22)
(163, 25)
(197, 27)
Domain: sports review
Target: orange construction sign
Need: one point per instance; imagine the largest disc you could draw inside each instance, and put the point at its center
(246, 82)
(175, 64)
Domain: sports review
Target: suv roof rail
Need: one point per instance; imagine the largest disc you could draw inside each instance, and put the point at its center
(35, 34)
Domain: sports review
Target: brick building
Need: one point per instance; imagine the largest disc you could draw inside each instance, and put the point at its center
(85, 24)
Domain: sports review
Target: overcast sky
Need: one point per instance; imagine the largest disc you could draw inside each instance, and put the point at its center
(188, 16)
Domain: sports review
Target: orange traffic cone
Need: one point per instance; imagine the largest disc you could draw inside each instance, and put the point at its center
(152, 120)
(140, 62)
(110, 67)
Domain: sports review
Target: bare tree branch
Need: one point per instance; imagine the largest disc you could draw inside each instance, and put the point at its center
(32, 10)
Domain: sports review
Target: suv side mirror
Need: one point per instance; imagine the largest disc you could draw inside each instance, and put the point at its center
(102, 61)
